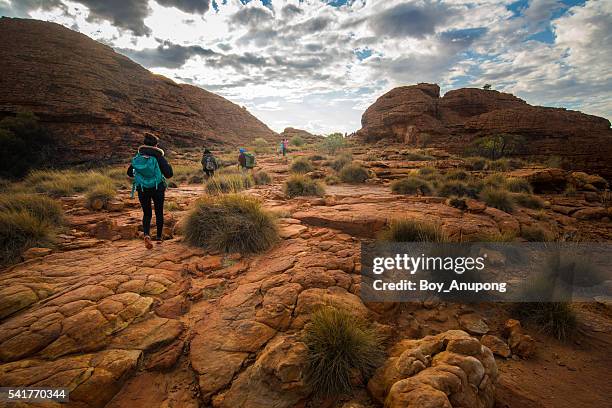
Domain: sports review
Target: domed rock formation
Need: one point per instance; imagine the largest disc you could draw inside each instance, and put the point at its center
(418, 115)
(97, 103)
(306, 136)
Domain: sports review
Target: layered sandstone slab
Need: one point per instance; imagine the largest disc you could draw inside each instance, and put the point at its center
(98, 102)
(415, 113)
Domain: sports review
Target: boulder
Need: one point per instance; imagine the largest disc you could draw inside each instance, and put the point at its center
(35, 252)
(451, 369)
(521, 344)
(496, 345)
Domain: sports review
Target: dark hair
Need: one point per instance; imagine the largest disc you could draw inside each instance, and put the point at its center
(206, 151)
(150, 139)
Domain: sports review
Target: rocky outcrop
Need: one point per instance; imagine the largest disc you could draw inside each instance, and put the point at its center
(308, 137)
(97, 103)
(417, 115)
(448, 370)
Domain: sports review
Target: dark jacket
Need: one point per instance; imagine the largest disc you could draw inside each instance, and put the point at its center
(242, 160)
(164, 166)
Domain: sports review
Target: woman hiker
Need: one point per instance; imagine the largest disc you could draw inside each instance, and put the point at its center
(209, 163)
(149, 170)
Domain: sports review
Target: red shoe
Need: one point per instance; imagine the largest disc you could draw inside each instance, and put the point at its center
(147, 242)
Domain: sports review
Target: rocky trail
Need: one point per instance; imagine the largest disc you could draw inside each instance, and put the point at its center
(122, 326)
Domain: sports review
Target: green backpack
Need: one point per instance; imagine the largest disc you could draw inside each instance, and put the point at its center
(147, 173)
(249, 160)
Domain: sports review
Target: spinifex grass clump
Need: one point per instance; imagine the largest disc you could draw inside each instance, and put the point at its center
(100, 195)
(262, 178)
(458, 189)
(59, 183)
(406, 230)
(557, 319)
(228, 183)
(339, 346)
(298, 185)
(301, 165)
(354, 173)
(230, 223)
(341, 161)
(411, 185)
(529, 201)
(26, 220)
(498, 198)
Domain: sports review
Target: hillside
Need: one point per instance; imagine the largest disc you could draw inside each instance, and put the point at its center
(451, 122)
(98, 103)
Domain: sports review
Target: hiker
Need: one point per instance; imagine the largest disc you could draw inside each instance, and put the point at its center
(246, 161)
(284, 147)
(209, 163)
(150, 169)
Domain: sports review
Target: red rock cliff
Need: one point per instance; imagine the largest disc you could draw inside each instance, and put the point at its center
(407, 113)
(98, 102)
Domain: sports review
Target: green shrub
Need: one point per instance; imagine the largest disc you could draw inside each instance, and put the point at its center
(300, 165)
(230, 223)
(298, 185)
(332, 143)
(496, 146)
(228, 183)
(411, 185)
(497, 180)
(498, 198)
(332, 180)
(553, 318)
(427, 171)
(529, 201)
(41, 207)
(261, 178)
(25, 145)
(171, 206)
(476, 163)
(102, 193)
(354, 173)
(340, 345)
(260, 145)
(536, 234)
(460, 175)
(297, 141)
(457, 188)
(518, 185)
(407, 230)
(341, 161)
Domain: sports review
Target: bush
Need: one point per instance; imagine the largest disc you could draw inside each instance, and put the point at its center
(332, 180)
(496, 146)
(427, 171)
(300, 165)
(411, 185)
(332, 143)
(457, 188)
(297, 141)
(20, 230)
(298, 185)
(536, 234)
(340, 345)
(41, 207)
(25, 145)
(341, 161)
(457, 202)
(529, 201)
(497, 180)
(497, 198)
(354, 173)
(407, 230)
(416, 156)
(316, 157)
(260, 145)
(100, 194)
(60, 183)
(230, 223)
(457, 175)
(476, 163)
(518, 185)
(261, 178)
(228, 183)
(553, 318)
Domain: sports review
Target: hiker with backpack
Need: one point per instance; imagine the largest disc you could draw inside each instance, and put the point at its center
(149, 170)
(209, 163)
(246, 160)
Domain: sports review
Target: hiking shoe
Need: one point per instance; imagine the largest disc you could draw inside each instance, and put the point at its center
(147, 242)
(158, 240)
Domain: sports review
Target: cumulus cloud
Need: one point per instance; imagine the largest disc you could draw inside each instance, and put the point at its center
(318, 64)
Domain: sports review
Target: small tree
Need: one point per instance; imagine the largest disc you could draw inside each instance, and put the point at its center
(297, 141)
(333, 142)
(496, 146)
(261, 145)
(486, 87)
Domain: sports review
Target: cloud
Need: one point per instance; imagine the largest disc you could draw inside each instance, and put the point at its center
(188, 6)
(410, 20)
(166, 55)
(289, 11)
(126, 14)
(253, 16)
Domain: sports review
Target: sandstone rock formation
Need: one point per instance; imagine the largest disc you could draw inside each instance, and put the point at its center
(417, 115)
(98, 102)
(307, 136)
(448, 370)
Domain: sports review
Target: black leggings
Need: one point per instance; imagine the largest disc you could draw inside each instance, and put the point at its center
(157, 196)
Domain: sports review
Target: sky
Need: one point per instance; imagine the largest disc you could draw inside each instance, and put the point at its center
(318, 64)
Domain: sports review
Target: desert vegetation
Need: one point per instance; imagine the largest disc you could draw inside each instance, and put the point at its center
(230, 223)
(299, 185)
(354, 173)
(409, 230)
